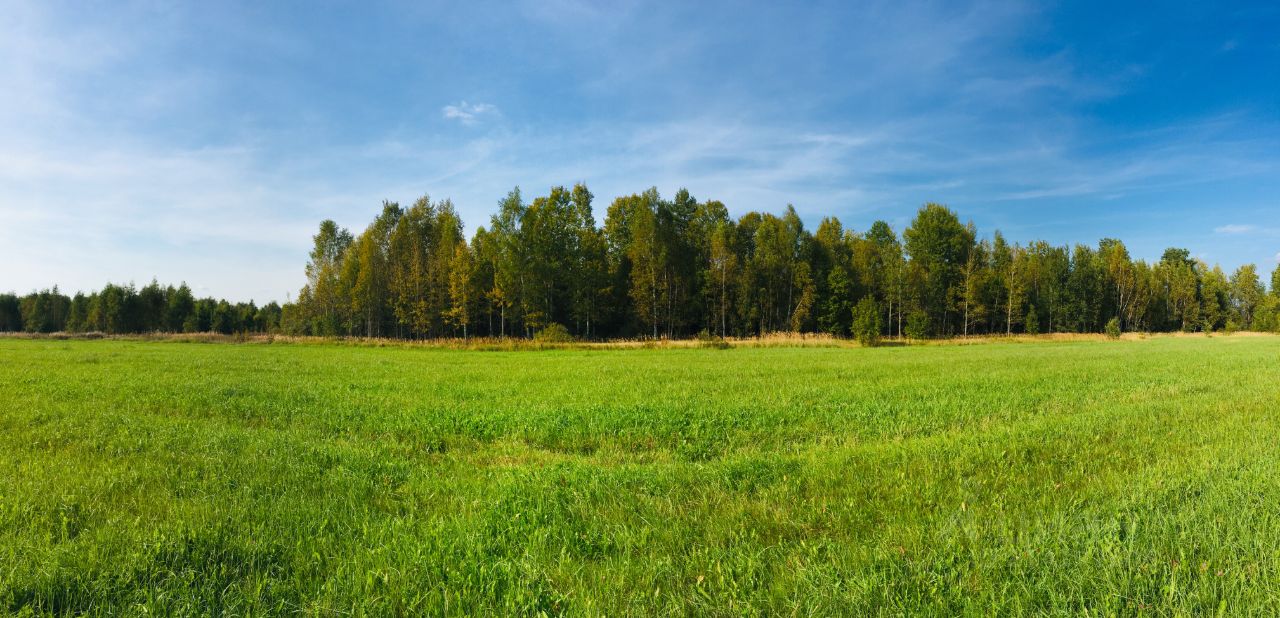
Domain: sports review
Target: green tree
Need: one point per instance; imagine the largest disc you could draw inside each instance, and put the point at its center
(78, 314)
(45, 311)
(460, 289)
(588, 272)
(507, 259)
(939, 244)
(366, 275)
(1048, 268)
(839, 302)
(564, 259)
(1180, 281)
(709, 217)
(10, 313)
(722, 270)
(1215, 300)
(917, 325)
(178, 307)
(633, 235)
(414, 300)
(115, 308)
(1246, 294)
(268, 318)
(224, 320)
(882, 269)
(1084, 291)
(866, 322)
(832, 261)
(322, 299)
(1011, 265)
(975, 275)
(1121, 279)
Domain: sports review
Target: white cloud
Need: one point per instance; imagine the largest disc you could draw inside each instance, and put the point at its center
(209, 217)
(468, 113)
(88, 199)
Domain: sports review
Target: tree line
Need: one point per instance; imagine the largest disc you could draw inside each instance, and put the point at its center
(675, 267)
(125, 309)
(669, 268)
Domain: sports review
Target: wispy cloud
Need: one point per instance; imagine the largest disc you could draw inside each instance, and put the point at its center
(468, 113)
(214, 218)
(128, 152)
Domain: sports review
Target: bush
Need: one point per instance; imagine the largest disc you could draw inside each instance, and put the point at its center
(1113, 328)
(917, 325)
(708, 340)
(553, 333)
(866, 322)
(1231, 327)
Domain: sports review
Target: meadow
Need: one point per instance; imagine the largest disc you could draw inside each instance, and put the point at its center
(1136, 477)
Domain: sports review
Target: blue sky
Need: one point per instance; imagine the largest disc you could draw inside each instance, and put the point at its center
(205, 142)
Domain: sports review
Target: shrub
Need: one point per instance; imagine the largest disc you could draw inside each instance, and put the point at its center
(1113, 328)
(708, 340)
(866, 322)
(553, 333)
(1231, 327)
(917, 325)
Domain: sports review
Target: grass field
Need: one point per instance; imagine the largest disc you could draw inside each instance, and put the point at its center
(1131, 477)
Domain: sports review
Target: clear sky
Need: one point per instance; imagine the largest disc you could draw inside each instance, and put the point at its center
(205, 142)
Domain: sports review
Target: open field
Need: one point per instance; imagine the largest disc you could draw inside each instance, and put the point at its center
(1129, 477)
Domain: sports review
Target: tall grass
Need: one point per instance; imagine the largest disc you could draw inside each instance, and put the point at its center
(1071, 477)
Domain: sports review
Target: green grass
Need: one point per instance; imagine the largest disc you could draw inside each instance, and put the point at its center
(1132, 477)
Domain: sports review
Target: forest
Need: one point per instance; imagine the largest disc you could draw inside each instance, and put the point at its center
(126, 309)
(673, 268)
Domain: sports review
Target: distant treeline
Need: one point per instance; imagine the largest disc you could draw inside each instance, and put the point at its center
(124, 309)
(679, 267)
